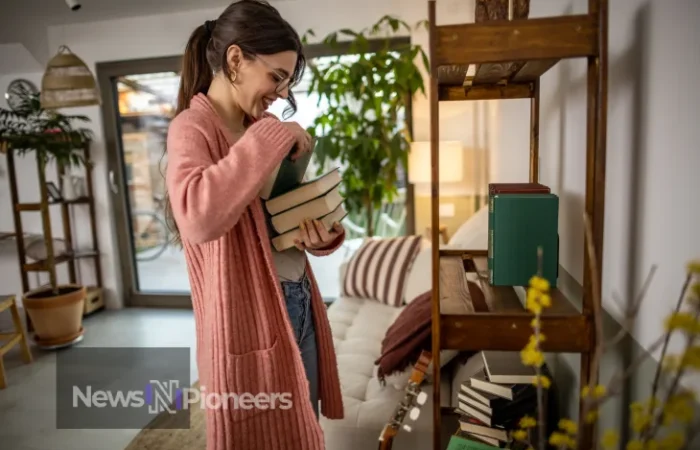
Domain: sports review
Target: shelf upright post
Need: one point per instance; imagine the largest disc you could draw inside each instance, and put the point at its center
(435, 226)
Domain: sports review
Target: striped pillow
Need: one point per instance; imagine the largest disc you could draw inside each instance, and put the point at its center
(379, 269)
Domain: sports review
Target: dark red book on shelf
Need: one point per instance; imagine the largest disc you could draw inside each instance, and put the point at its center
(518, 188)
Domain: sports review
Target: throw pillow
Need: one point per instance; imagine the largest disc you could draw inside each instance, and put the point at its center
(378, 269)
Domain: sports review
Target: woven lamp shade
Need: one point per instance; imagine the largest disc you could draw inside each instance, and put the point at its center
(68, 82)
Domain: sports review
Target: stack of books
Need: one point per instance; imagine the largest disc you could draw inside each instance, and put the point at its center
(495, 397)
(523, 218)
(288, 200)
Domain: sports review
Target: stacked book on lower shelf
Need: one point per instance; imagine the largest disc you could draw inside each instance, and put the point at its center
(498, 393)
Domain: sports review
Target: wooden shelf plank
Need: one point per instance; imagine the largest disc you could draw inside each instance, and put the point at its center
(502, 323)
(43, 265)
(533, 70)
(511, 332)
(516, 40)
(485, 92)
(37, 206)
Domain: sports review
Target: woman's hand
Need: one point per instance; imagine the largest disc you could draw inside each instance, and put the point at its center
(303, 140)
(314, 234)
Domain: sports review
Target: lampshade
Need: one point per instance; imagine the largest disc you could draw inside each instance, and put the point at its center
(450, 157)
(68, 82)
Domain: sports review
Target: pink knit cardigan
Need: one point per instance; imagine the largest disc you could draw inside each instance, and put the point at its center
(244, 338)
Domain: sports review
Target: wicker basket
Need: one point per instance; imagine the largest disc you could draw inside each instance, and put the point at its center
(68, 82)
(498, 10)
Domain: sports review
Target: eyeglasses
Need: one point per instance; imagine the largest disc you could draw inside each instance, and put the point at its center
(284, 80)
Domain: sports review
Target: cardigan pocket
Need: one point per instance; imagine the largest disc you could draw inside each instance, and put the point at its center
(258, 381)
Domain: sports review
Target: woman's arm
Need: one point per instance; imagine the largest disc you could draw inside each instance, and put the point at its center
(208, 198)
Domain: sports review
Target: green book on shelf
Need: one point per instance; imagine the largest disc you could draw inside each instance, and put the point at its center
(461, 443)
(518, 225)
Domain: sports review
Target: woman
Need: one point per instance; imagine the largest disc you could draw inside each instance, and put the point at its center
(261, 324)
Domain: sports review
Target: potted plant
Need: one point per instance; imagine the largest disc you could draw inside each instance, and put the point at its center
(55, 310)
(365, 96)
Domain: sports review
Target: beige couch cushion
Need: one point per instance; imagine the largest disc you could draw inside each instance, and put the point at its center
(358, 327)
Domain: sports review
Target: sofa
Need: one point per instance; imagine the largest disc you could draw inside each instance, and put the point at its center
(359, 326)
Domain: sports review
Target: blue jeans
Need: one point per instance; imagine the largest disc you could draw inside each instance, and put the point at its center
(297, 296)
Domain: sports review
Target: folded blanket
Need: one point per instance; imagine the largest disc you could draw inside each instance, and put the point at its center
(405, 339)
(411, 333)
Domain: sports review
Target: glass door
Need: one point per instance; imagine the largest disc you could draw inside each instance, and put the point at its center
(142, 101)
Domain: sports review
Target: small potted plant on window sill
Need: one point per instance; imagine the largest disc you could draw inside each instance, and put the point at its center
(56, 309)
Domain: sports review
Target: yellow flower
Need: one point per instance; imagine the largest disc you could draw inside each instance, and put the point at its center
(673, 441)
(569, 426)
(682, 321)
(600, 391)
(640, 420)
(543, 381)
(585, 392)
(695, 290)
(536, 323)
(591, 416)
(679, 408)
(545, 300)
(694, 266)
(558, 439)
(528, 422)
(691, 358)
(671, 363)
(610, 439)
(539, 283)
(533, 306)
(520, 435)
(532, 357)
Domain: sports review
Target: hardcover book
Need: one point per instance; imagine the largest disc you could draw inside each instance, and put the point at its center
(286, 240)
(303, 192)
(461, 443)
(286, 176)
(519, 225)
(511, 188)
(313, 209)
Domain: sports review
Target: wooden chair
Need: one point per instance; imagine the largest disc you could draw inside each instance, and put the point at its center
(9, 340)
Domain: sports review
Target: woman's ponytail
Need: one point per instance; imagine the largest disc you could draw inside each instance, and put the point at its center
(196, 77)
(196, 73)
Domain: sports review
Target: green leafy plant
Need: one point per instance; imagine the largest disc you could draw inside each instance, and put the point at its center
(363, 95)
(49, 134)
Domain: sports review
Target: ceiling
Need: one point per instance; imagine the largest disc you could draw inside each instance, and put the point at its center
(17, 14)
(24, 23)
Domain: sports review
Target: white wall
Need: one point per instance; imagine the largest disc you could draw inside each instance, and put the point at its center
(166, 34)
(652, 209)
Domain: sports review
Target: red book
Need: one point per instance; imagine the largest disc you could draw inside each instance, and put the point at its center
(518, 188)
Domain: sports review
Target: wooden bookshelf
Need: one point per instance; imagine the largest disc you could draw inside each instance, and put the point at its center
(44, 207)
(502, 60)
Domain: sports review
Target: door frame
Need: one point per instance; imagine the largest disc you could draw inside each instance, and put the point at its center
(106, 73)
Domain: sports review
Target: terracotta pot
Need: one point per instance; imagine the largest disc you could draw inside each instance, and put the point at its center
(56, 317)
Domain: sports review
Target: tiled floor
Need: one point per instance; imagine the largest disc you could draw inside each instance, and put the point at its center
(27, 406)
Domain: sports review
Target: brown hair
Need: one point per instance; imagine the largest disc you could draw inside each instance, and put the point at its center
(253, 25)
